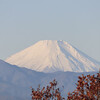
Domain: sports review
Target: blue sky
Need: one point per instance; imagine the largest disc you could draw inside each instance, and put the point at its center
(24, 22)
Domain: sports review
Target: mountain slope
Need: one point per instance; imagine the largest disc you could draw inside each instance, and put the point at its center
(51, 56)
(15, 82)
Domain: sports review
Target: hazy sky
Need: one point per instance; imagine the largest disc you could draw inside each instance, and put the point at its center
(24, 22)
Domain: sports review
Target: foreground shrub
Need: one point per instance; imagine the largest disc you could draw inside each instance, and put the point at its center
(88, 88)
(48, 93)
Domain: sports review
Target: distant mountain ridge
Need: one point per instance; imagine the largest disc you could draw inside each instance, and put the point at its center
(15, 82)
(52, 56)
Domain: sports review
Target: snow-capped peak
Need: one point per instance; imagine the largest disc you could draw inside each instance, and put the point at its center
(53, 55)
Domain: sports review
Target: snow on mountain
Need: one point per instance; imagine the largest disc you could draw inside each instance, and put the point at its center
(51, 56)
(15, 82)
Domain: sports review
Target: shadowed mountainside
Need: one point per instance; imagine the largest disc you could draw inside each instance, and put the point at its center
(15, 82)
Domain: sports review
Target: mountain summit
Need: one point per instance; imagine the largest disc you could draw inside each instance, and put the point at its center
(51, 56)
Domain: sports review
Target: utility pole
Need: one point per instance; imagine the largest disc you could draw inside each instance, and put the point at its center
(98, 85)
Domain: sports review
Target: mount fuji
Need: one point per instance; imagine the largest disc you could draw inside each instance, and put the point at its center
(52, 56)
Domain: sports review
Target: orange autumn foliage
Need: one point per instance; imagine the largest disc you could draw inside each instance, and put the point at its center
(88, 88)
(48, 93)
